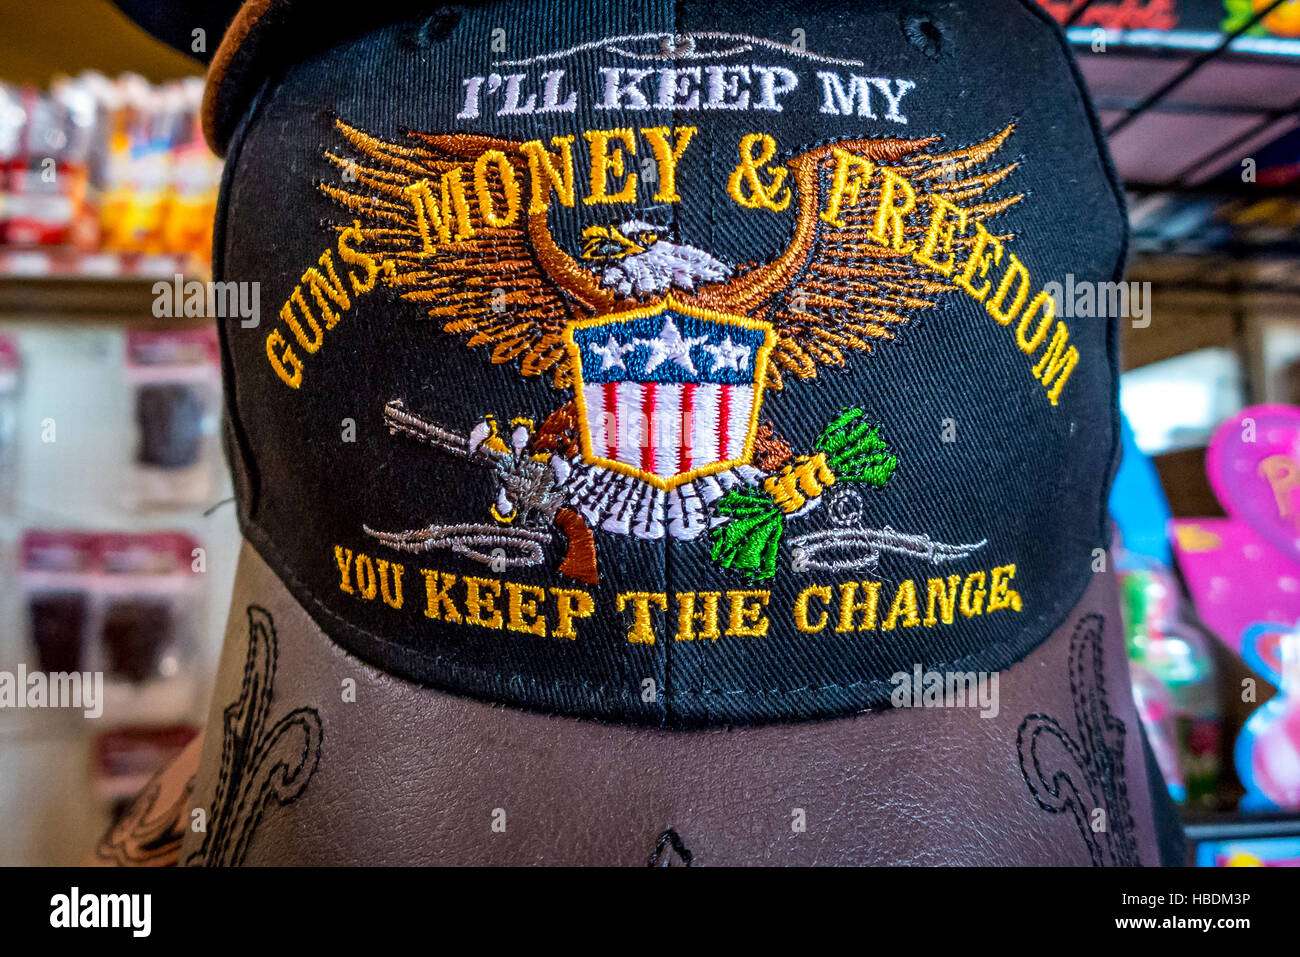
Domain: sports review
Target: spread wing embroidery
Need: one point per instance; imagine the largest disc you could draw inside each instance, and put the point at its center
(510, 288)
(837, 289)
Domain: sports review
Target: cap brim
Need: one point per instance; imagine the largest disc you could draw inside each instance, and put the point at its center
(177, 23)
(326, 760)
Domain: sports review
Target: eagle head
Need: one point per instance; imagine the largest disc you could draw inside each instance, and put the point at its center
(635, 259)
(610, 243)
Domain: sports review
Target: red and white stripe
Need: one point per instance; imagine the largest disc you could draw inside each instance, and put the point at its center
(668, 428)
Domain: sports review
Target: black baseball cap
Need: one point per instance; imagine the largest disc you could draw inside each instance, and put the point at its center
(663, 439)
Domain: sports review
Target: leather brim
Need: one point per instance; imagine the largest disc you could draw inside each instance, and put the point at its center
(313, 757)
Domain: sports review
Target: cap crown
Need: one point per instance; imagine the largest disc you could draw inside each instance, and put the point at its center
(634, 361)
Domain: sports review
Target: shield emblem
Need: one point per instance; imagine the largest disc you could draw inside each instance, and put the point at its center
(670, 392)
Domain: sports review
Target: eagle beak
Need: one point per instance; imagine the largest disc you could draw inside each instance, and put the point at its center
(605, 243)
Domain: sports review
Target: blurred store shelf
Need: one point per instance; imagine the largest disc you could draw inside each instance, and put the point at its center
(62, 284)
(1229, 825)
(123, 299)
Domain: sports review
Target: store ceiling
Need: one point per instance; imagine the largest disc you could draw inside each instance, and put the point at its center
(1211, 155)
(1224, 112)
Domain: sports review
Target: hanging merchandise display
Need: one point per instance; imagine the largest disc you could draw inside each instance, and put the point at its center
(176, 384)
(1244, 576)
(1268, 748)
(1177, 657)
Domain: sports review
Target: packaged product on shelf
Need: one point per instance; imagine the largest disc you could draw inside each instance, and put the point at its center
(148, 595)
(10, 365)
(175, 376)
(105, 177)
(1179, 657)
(57, 576)
(122, 101)
(11, 129)
(1267, 752)
(148, 171)
(48, 173)
(191, 201)
(82, 113)
(1158, 713)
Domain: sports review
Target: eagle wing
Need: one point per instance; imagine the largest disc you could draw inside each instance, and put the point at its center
(510, 288)
(836, 289)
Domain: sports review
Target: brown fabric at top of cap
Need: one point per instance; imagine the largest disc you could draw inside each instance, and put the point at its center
(231, 44)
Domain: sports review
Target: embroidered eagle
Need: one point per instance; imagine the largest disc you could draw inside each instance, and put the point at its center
(513, 289)
(666, 348)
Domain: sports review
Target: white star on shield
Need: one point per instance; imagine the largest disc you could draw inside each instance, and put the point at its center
(727, 354)
(611, 353)
(670, 345)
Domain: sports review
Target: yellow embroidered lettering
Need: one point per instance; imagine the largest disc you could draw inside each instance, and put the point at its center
(570, 604)
(666, 156)
(357, 258)
(1042, 303)
(509, 187)
(904, 604)
(286, 313)
(1057, 363)
(707, 616)
(286, 364)
(850, 178)
(344, 558)
(522, 604)
(438, 603)
(1016, 274)
(367, 584)
(943, 595)
(326, 290)
(390, 592)
(607, 159)
(436, 217)
(801, 608)
(480, 597)
(986, 251)
(756, 150)
(546, 176)
(1001, 594)
(641, 631)
(849, 608)
(940, 235)
(888, 226)
(972, 594)
(747, 620)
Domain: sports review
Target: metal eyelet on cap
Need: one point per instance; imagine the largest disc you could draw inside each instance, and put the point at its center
(439, 26)
(926, 34)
